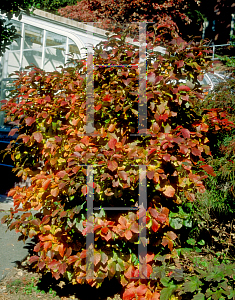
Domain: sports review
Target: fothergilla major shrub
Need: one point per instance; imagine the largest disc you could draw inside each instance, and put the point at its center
(48, 111)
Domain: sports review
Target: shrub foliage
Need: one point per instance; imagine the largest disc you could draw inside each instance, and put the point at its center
(48, 112)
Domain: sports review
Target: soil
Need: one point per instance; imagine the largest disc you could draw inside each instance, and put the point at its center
(21, 283)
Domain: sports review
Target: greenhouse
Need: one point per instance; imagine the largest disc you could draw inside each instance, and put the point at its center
(46, 40)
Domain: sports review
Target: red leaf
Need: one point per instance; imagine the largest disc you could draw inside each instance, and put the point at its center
(126, 81)
(185, 132)
(33, 259)
(46, 184)
(169, 191)
(179, 63)
(97, 258)
(195, 151)
(84, 190)
(72, 259)
(62, 268)
(141, 289)
(104, 258)
(112, 165)
(183, 88)
(37, 136)
(13, 131)
(61, 174)
(166, 157)
(41, 265)
(107, 98)
(123, 175)
(151, 77)
(25, 138)
(130, 272)
(135, 228)
(56, 275)
(63, 214)
(123, 221)
(155, 225)
(53, 265)
(183, 149)
(29, 121)
(166, 241)
(48, 98)
(129, 293)
(37, 247)
(98, 107)
(85, 140)
(68, 252)
(112, 143)
(128, 234)
(150, 174)
(74, 122)
(208, 169)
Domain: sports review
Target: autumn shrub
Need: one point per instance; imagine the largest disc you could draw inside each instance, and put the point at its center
(220, 189)
(49, 113)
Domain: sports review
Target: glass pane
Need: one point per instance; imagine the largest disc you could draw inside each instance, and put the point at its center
(54, 57)
(15, 45)
(73, 48)
(33, 37)
(13, 59)
(32, 57)
(53, 39)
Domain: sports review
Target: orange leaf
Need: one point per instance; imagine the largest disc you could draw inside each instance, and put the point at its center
(46, 184)
(111, 127)
(55, 192)
(47, 245)
(112, 165)
(61, 250)
(169, 191)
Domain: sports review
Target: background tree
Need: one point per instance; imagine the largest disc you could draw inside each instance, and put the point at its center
(7, 30)
(169, 12)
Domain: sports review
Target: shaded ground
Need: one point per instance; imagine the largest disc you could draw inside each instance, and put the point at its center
(22, 284)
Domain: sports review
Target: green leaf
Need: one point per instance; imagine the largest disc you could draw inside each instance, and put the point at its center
(165, 281)
(192, 285)
(201, 243)
(69, 275)
(176, 223)
(191, 242)
(188, 223)
(199, 296)
(167, 292)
